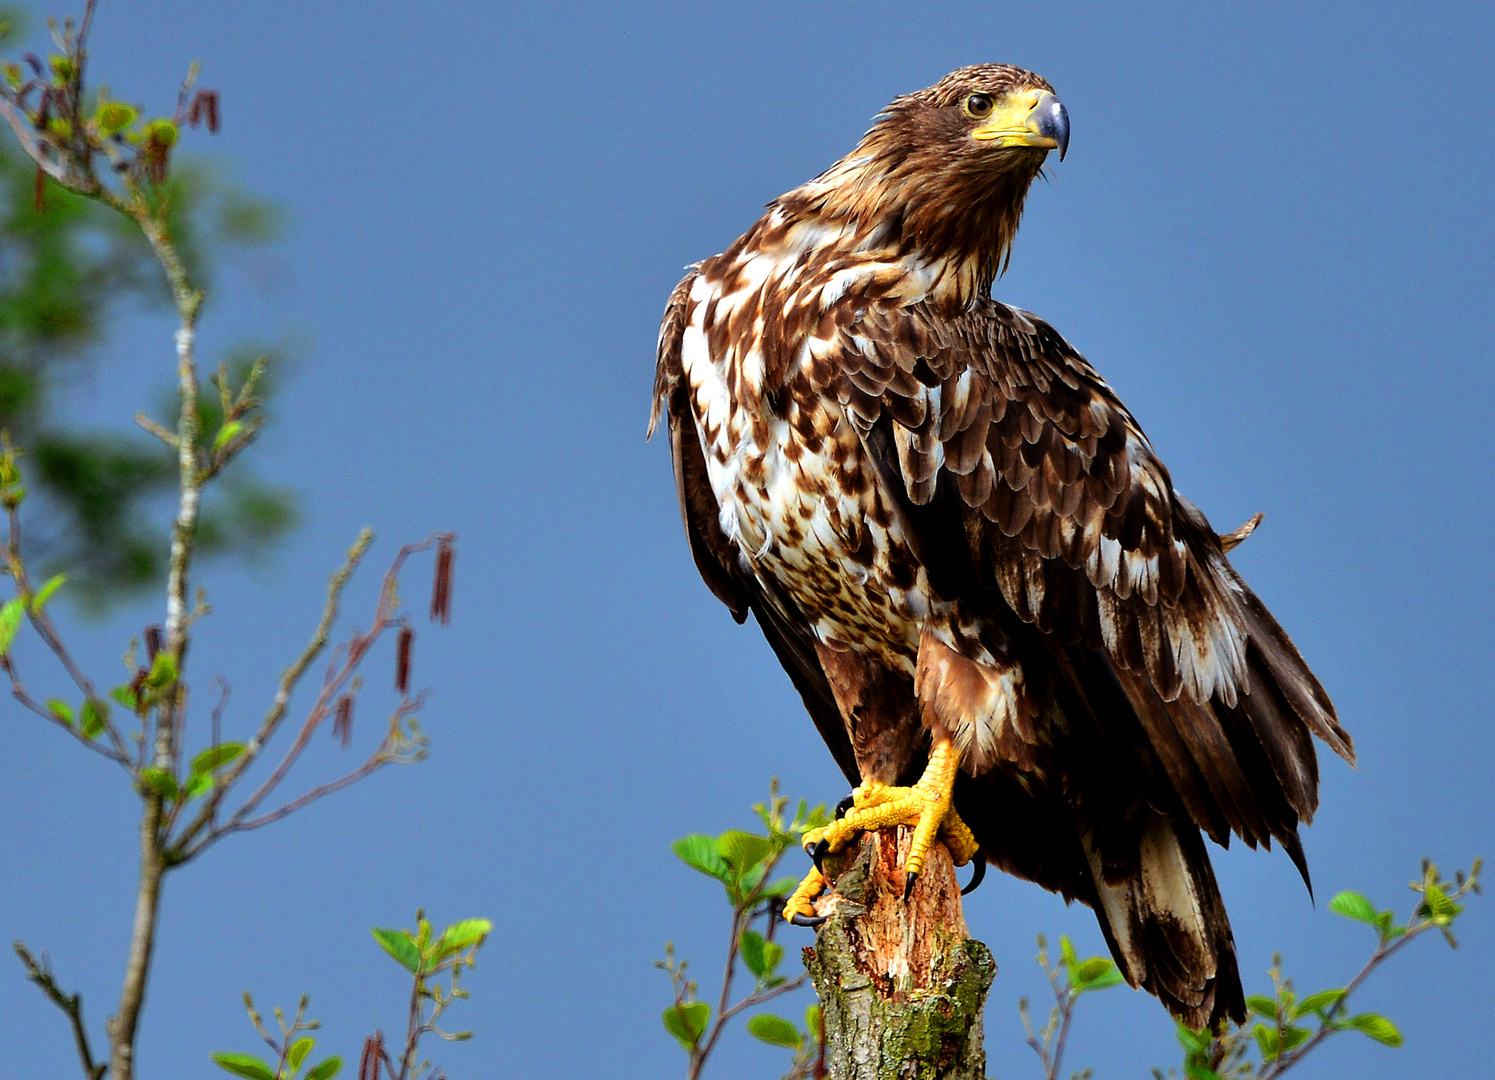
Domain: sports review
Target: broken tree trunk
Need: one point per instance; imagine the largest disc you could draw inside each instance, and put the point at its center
(901, 985)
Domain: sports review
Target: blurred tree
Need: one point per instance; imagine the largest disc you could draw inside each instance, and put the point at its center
(67, 265)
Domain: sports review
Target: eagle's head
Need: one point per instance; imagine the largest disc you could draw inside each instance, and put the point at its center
(942, 174)
(975, 125)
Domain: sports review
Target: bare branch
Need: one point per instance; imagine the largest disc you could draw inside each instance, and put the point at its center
(288, 681)
(156, 429)
(71, 1004)
(18, 691)
(387, 753)
(346, 659)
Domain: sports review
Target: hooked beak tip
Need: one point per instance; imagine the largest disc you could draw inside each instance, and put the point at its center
(1052, 120)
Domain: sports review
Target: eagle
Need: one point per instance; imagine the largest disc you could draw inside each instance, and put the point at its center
(1013, 633)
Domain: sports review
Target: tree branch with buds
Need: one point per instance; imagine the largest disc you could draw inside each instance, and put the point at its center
(103, 149)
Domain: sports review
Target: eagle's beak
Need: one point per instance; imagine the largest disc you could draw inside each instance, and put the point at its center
(1034, 118)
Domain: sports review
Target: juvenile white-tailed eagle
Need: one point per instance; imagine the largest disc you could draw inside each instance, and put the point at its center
(966, 554)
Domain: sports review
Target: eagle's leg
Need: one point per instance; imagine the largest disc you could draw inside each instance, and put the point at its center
(926, 807)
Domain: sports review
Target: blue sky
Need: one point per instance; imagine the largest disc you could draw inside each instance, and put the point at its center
(1272, 235)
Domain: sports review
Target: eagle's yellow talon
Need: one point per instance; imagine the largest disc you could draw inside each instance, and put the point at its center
(926, 806)
(956, 836)
(800, 907)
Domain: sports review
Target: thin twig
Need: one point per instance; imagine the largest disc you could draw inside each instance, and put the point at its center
(288, 681)
(41, 622)
(380, 757)
(1050, 1047)
(332, 688)
(153, 863)
(156, 429)
(764, 996)
(71, 1004)
(19, 692)
(203, 830)
(1381, 955)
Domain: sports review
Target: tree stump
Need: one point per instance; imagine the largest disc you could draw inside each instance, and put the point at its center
(901, 985)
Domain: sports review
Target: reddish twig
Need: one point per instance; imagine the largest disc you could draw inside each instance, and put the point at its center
(342, 669)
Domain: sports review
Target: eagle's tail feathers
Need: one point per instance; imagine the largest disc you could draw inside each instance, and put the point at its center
(1166, 925)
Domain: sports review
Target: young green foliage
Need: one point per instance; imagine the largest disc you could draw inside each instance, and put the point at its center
(1288, 1027)
(290, 1050)
(743, 862)
(1070, 979)
(425, 956)
(429, 958)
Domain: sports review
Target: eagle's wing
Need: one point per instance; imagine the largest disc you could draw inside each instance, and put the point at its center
(716, 556)
(1049, 492)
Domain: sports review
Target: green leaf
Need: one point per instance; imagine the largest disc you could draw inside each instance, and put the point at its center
(1195, 1042)
(1067, 951)
(1266, 1040)
(215, 757)
(687, 1022)
(127, 697)
(162, 132)
(775, 1031)
(61, 709)
(10, 622)
(812, 1022)
(197, 785)
(700, 852)
(114, 116)
(245, 1065)
(1095, 973)
(1093, 968)
(1264, 1007)
(1438, 906)
(772, 954)
(460, 935)
(1323, 1000)
(46, 591)
(1293, 1036)
(226, 434)
(400, 945)
(163, 671)
(1200, 1072)
(742, 851)
(1353, 906)
(94, 714)
(781, 886)
(160, 781)
(760, 956)
(750, 881)
(1378, 1028)
(1107, 978)
(326, 1070)
(298, 1051)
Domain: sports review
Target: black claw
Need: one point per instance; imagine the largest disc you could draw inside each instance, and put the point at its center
(845, 805)
(818, 853)
(807, 920)
(977, 876)
(908, 885)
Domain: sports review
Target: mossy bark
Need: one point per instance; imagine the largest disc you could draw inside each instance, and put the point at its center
(901, 985)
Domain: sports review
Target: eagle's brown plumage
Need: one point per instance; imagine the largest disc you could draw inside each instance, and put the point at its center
(944, 519)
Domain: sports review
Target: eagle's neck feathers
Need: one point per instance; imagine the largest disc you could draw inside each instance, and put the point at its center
(890, 201)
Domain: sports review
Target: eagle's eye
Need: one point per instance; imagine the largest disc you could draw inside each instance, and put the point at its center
(979, 106)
